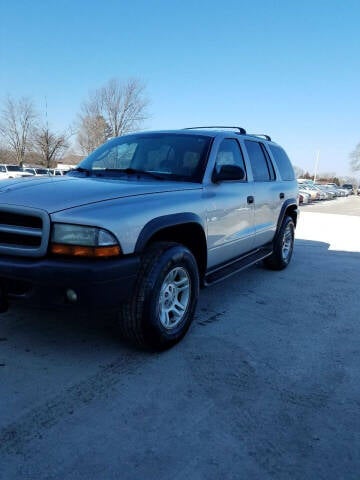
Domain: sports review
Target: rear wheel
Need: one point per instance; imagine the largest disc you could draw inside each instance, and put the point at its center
(283, 246)
(163, 304)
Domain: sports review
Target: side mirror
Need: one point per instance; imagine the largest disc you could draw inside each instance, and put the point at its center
(228, 172)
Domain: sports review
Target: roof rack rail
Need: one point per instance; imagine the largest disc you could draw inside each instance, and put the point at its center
(242, 131)
(267, 137)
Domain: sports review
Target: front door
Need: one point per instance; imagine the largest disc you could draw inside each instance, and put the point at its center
(230, 223)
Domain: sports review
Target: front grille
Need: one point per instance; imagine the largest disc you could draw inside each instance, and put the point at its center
(23, 231)
(30, 239)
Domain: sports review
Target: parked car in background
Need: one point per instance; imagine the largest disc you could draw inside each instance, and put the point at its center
(349, 187)
(13, 171)
(3, 173)
(343, 192)
(37, 170)
(314, 193)
(323, 194)
(336, 188)
(330, 192)
(304, 196)
(58, 171)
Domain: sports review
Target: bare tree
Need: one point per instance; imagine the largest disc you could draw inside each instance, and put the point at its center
(5, 155)
(17, 120)
(93, 132)
(49, 145)
(355, 159)
(123, 105)
(120, 106)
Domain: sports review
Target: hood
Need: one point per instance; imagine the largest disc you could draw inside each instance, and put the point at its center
(54, 194)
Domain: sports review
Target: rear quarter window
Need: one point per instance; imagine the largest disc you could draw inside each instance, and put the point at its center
(283, 163)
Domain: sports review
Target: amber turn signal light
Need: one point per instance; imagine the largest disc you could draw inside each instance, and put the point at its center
(82, 251)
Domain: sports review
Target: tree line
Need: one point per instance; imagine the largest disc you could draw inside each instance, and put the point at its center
(116, 108)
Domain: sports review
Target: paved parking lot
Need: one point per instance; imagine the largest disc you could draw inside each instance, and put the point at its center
(265, 386)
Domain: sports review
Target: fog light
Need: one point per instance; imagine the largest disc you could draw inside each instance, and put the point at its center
(71, 295)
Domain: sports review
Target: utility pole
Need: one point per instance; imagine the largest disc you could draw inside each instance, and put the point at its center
(316, 164)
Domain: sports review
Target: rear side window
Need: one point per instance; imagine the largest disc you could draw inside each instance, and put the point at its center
(282, 161)
(262, 168)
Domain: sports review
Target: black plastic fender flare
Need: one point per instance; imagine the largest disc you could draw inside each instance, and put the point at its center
(159, 223)
(289, 202)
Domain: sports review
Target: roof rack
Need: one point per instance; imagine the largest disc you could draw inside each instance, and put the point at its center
(267, 137)
(242, 131)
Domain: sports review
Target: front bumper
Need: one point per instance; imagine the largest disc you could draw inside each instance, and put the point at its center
(44, 282)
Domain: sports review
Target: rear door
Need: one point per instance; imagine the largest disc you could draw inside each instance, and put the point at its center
(267, 194)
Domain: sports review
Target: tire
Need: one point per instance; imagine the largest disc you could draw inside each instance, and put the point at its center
(283, 246)
(162, 307)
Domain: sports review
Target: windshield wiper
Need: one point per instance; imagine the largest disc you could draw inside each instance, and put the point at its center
(135, 171)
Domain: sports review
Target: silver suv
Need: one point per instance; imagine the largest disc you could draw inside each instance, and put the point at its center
(144, 221)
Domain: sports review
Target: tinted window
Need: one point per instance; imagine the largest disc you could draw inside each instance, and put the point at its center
(283, 162)
(259, 163)
(229, 153)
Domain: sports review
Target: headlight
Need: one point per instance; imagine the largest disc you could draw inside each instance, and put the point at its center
(78, 240)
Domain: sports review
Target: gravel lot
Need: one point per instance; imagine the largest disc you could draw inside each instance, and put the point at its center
(265, 386)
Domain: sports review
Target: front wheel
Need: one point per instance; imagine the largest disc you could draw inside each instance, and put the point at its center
(283, 246)
(163, 304)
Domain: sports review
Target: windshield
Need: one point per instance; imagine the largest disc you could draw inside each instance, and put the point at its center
(164, 154)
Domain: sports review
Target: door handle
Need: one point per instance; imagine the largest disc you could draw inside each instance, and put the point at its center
(282, 195)
(250, 199)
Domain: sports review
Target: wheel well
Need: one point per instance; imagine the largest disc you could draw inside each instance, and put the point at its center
(291, 211)
(191, 235)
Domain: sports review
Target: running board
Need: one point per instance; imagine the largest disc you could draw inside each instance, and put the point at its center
(220, 273)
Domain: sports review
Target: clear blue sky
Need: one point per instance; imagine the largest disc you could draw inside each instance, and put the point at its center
(289, 69)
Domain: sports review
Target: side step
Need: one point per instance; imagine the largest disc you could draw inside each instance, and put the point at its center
(226, 270)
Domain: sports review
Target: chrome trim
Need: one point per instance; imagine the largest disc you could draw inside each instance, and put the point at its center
(43, 233)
